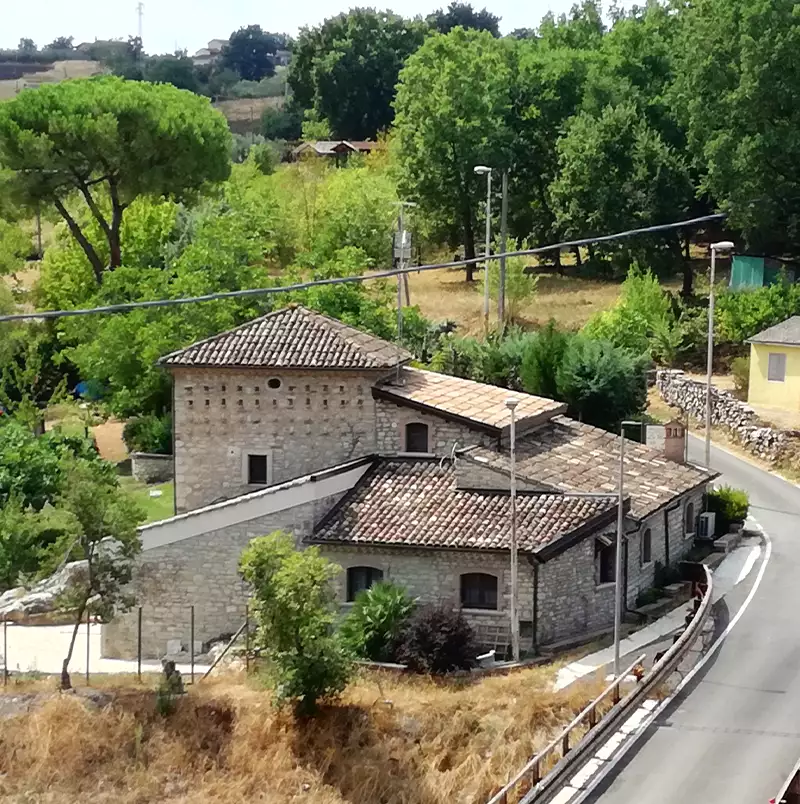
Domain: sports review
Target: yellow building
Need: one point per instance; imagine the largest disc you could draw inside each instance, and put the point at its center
(775, 366)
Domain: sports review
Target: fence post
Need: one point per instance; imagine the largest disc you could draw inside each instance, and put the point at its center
(191, 640)
(139, 646)
(88, 644)
(247, 640)
(5, 653)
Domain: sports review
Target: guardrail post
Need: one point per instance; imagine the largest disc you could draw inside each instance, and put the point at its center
(592, 717)
(615, 696)
(565, 744)
(536, 773)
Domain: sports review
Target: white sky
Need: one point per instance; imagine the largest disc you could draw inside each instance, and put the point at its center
(189, 24)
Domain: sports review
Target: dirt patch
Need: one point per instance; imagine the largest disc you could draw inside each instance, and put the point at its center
(109, 440)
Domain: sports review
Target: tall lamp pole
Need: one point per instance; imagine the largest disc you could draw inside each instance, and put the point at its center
(501, 293)
(511, 404)
(724, 245)
(618, 602)
(482, 170)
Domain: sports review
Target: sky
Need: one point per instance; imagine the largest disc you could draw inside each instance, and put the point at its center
(189, 24)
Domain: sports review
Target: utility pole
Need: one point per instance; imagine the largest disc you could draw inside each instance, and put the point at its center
(400, 253)
(511, 405)
(140, 12)
(501, 293)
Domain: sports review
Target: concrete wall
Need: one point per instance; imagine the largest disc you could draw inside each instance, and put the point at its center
(147, 468)
(314, 420)
(763, 391)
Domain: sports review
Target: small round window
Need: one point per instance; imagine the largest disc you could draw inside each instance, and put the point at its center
(274, 382)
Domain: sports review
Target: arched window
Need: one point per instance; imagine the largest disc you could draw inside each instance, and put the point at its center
(478, 591)
(361, 578)
(689, 524)
(417, 437)
(647, 547)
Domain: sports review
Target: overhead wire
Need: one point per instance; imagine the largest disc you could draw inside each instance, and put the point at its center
(268, 291)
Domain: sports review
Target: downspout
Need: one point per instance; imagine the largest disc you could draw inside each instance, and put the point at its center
(174, 454)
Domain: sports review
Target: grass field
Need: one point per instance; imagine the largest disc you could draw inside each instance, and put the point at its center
(60, 71)
(156, 508)
(401, 740)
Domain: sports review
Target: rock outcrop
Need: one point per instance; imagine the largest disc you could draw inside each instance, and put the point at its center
(39, 604)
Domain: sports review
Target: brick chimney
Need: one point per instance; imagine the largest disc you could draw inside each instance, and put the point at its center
(675, 441)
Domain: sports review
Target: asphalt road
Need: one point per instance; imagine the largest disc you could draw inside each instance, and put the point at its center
(733, 735)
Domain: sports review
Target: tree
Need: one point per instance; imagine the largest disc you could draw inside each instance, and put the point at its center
(616, 173)
(463, 15)
(542, 359)
(452, 104)
(281, 124)
(61, 43)
(109, 141)
(293, 604)
(738, 92)
(601, 383)
(105, 538)
(27, 46)
(582, 30)
(176, 70)
(437, 640)
(346, 70)
(249, 53)
(15, 246)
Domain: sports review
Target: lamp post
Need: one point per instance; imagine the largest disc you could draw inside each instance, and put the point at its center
(511, 404)
(482, 170)
(620, 537)
(501, 292)
(724, 245)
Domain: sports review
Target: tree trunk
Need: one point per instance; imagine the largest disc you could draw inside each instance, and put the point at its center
(687, 255)
(559, 265)
(66, 683)
(578, 259)
(469, 240)
(83, 242)
(687, 291)
(114, 245)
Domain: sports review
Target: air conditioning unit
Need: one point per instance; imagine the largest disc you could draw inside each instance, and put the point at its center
(706, 526)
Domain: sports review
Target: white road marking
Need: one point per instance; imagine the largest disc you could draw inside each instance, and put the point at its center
(755, 552)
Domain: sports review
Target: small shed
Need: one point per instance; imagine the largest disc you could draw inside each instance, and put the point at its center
(751, 271)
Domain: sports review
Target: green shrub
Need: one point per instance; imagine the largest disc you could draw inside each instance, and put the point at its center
(437, 640)
(376, 620)
(730, 505)
(150, 433)
(740, 368)
(294, 606)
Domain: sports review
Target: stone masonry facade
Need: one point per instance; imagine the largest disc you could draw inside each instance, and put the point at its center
(201, 571)
(311, 421)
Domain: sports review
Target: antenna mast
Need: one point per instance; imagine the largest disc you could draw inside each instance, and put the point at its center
(140, 12)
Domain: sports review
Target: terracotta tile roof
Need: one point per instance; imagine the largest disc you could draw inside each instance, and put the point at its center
(293, 337)
(570, 456)
(415, 503)
(466, 400)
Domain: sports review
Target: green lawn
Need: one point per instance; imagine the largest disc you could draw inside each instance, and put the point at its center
(156, 508)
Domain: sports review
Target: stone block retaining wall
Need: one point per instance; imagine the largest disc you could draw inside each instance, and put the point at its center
(148, 468)
(737, 417)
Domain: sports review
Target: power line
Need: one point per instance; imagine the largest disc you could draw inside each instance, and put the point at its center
(238, 294)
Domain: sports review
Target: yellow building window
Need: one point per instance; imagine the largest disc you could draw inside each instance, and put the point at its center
(776, 370)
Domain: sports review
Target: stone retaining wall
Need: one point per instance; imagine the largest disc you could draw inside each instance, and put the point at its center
(148, 468)
(737, 417)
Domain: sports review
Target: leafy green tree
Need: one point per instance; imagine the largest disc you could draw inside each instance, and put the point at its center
(375, 622)
(738, 91)
(601, 383)
(583, 29)
(15, 246)
(109, 141)
(542, 359)
(294, 607)
(281, 124)
(346, 69)
(249, 53)
(452, 102)
(519, 286)
(27, 46)
(104, 537)
(61, 43)
(617, 173)
(463, 15)
(177, 70)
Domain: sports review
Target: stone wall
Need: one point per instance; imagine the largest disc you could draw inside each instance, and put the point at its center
(738, 418)
(199, 571)
(313, 420)
(147, 468)
(443, 435)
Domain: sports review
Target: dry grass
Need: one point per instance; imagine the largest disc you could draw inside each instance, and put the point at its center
(569, 300)
(225, 743)
(60, 71)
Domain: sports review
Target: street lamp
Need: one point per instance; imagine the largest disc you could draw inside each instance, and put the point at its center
(723, 245)
(620, 537)
(482, 170)
(511, 404)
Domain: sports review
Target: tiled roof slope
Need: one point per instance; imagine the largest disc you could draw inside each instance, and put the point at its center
(415, 503)
(787, 332)
(466, 400)
(570, 456)
(293, 337)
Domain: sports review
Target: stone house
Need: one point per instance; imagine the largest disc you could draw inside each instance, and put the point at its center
(297, 421)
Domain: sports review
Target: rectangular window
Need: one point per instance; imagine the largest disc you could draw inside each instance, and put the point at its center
(606, 558)
(647, 547)
(776, 371)
(478, 591)
(257, 470)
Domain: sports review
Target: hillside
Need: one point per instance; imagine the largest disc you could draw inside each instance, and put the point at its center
(59, 71)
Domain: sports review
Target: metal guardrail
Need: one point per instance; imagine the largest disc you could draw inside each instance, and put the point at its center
(532, 785)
